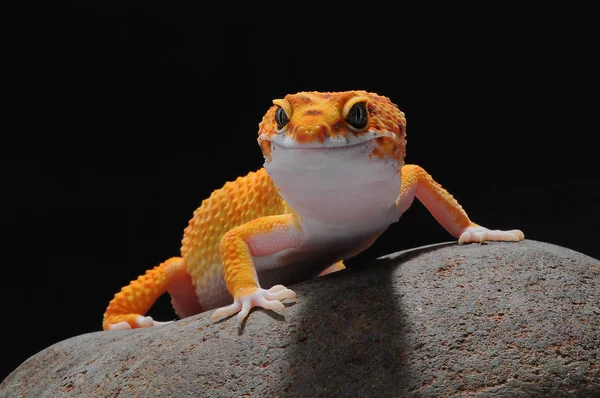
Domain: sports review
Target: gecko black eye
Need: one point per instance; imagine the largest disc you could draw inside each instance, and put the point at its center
(281, 118)
(357, 116)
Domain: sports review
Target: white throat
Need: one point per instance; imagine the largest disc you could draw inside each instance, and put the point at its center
(336, 185)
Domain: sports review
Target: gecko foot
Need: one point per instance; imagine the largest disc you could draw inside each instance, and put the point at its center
(267, 299)
(481, 234)
(139, 322)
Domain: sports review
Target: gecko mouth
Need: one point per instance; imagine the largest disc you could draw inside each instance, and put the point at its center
(299, 158)
(321, 146)
(337, 142)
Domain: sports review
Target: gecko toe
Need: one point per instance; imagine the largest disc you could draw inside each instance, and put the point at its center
(227, 311)
(267, 299)
(120, 326)
(280, 294)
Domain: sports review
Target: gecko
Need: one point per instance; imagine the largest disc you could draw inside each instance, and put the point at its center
(333, 180)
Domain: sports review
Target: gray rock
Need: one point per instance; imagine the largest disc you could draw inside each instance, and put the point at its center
(493, 320)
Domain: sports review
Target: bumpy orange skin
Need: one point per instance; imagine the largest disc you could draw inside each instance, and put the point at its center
(315, 116)
(237, 203)
(442, 205)
(236, 254)
(136, 298)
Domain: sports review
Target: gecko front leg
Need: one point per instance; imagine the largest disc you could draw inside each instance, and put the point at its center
(261, 237)
(445, 209)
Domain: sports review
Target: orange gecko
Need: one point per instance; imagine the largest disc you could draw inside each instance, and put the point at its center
(333, 180)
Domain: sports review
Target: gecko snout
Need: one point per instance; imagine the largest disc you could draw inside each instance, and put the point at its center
(311, 133)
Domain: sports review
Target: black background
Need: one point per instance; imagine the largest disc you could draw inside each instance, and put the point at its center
(124, 119)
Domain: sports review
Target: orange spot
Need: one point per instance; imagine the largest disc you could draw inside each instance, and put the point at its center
(387, 146)
(313, 112)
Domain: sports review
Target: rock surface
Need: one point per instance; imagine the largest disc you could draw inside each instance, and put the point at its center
(500, 319)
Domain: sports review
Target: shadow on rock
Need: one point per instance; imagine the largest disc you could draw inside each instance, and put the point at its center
(361, 333)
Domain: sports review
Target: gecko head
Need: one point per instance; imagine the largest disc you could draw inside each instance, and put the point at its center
(335, 157)
(314, 120)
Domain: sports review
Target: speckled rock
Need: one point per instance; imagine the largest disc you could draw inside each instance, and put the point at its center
(493, 320)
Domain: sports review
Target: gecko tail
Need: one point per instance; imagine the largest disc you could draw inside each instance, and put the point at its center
(128, 307)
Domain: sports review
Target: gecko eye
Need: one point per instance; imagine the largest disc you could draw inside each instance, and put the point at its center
(357, 116)
(281, 118)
